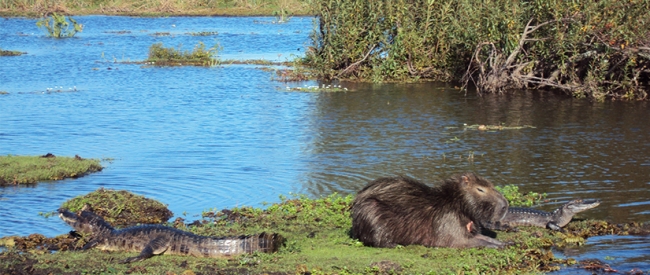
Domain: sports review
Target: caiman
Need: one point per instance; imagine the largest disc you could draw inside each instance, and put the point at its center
(152, 239)
(519, 216)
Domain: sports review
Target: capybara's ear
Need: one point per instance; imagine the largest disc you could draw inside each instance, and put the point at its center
(464, 181)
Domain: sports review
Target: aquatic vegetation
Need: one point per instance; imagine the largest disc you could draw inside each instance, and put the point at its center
(199, 56)
(483, 127)
(203, 33)
(281, 15)
(161, 34)
(318, 242)
(322, 88)
(10, 53)
(516, 198)
(121, 208)
(4, 93)
(31, 169)
(57, 26)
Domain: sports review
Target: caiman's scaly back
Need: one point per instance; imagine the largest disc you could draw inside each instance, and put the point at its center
(152, 240)
(519, 216)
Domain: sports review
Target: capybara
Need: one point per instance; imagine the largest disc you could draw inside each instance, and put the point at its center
(401, 210)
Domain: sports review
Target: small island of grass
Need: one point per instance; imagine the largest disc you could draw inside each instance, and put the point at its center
(16, 170)
(9, 53)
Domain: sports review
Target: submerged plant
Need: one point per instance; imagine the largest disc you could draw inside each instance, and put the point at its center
(57, 26)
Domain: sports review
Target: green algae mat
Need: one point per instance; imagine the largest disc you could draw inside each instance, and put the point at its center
(318, 242)
(16, 170)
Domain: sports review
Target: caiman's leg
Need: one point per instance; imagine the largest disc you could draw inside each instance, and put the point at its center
(554, 226)
(156, 246)
(90, 244)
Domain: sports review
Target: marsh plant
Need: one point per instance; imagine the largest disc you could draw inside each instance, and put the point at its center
(59, 26)
(199, 56)
(596, 49)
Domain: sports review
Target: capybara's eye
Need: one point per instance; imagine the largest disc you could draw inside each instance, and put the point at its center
(480, 190)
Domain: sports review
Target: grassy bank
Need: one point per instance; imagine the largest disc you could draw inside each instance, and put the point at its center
(154, 7)
(318, 242)
(31, 169)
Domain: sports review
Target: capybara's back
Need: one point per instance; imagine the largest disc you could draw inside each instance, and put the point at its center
(400, 210)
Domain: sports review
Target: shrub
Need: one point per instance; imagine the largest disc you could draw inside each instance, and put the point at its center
(598, 49)
(57, 26)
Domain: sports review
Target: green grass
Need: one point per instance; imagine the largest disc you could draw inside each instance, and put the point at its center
(169, 56)
(121, 208)
(279, 8)
(9, 53)
(31, 169)
(518, 199)
(318, 242)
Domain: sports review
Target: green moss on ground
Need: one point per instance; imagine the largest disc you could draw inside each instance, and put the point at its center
(31, 169)
(318, 242)
(121, 208)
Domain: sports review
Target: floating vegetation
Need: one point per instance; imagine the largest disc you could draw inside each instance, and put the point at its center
(31, 169)
(482, 127)
(4, 93)
(200, 56)
(118, 32)
(57, 26)
(322, 88)
(161, 34)
(516, 198)
(253, 62)
(291, 75)
(10, 53)
(203, 33)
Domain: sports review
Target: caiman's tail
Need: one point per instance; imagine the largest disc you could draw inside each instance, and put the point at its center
(263, 242)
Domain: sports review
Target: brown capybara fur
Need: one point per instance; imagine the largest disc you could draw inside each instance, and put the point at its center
(400, 210)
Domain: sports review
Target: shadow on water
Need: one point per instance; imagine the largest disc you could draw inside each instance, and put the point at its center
(221, 137)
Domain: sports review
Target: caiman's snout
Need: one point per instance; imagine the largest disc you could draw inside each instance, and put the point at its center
(67, 216)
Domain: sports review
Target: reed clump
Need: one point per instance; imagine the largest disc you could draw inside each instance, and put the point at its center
(597, 49)
(169, 56)
(32, 169)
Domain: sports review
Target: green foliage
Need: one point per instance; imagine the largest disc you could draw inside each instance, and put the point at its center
(9, 53)
(121, 208)
(516, 198)
(318, 242)
(57, 26)
(594, 49)
(199, 56)
(31, 169)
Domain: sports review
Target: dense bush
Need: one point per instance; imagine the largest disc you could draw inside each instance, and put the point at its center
(595, 49)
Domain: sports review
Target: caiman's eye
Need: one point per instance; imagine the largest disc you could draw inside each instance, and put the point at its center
(480, 190)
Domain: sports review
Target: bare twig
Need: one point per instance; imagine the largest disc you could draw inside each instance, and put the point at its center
(355, 64)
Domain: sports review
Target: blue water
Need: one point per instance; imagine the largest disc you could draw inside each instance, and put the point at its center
(199, 138)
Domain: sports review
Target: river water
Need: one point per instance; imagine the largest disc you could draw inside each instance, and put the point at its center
(201, 138)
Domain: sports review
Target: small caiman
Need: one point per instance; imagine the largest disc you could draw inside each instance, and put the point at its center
(153, 239)
(519, 216)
